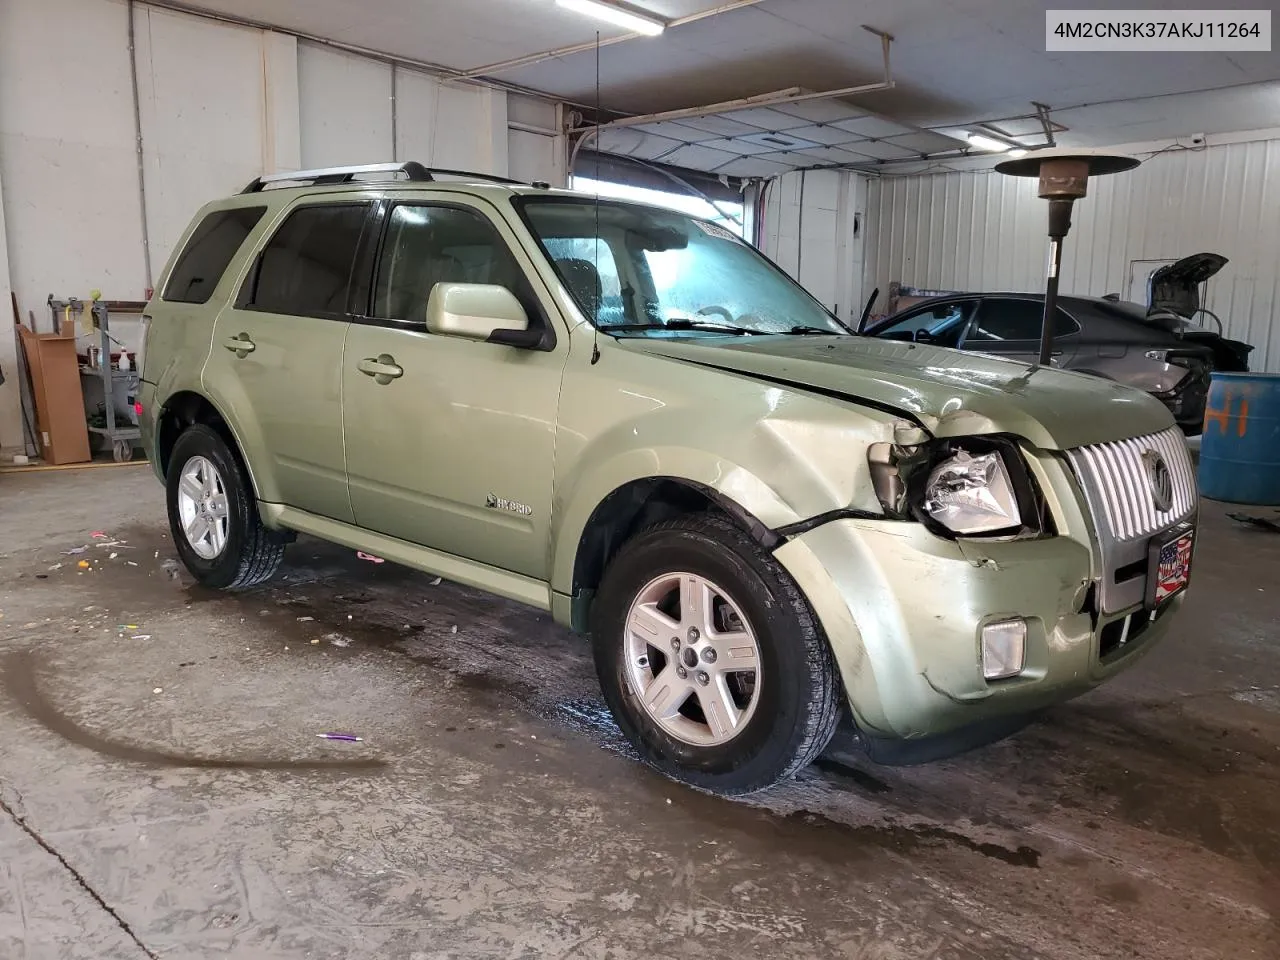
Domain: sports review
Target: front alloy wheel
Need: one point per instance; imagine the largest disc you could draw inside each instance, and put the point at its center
(692, 660)
(710, 658)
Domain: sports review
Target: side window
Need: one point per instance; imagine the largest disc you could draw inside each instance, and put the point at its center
(305, 269)
(426, 245)
(1064, 325)
(944, 323)
(205, 257)
(1014, 319)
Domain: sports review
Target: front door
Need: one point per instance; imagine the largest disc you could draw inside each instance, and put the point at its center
(1010, 327)
(451, 442)
(276, 362)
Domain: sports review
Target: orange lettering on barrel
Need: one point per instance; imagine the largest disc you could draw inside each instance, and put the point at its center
(1222, 417)
(1243, 421)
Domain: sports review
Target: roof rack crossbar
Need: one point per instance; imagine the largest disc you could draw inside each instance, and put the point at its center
(412, 171)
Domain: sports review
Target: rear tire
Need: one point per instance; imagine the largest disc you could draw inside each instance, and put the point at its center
(213, 514)
(769, 671)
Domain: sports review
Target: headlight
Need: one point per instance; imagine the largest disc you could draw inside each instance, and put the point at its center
(970, 494)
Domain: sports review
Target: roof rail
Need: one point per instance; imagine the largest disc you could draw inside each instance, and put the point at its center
(412, 170)
(326, 175)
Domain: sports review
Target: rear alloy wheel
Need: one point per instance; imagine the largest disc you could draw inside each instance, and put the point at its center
(213, 514)
(710, 658)
(202, 508)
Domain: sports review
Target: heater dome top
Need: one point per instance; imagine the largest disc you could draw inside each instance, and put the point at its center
(1100, 162)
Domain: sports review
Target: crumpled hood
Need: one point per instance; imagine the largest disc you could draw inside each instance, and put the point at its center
(950, 392)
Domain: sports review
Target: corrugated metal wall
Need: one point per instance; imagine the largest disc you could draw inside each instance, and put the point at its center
(984, 231)
(813, 231)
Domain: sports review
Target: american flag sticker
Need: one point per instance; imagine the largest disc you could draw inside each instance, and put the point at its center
(1173, 569)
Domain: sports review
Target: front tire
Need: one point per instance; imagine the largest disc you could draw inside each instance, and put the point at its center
(710, 658)
(213, 515)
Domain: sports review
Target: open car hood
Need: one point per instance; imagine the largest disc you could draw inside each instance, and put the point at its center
(949, 392)
(1176, 287)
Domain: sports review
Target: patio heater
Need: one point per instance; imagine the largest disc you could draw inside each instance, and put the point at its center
(1064, 178)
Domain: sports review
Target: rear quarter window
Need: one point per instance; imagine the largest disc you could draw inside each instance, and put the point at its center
(204, 259)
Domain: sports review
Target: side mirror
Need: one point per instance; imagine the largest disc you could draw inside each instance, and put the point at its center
(479, 311)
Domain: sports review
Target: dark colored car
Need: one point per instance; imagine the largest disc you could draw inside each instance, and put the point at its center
(1158, 348)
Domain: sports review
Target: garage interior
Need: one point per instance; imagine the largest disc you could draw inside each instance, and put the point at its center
(164, 787)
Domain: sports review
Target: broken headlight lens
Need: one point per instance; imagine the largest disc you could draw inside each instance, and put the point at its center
(972, 494)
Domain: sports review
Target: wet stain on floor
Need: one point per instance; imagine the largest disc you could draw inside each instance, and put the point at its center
(21, 680)
(910, 839)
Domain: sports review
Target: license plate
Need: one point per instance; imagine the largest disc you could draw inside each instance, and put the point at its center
(1170, 568)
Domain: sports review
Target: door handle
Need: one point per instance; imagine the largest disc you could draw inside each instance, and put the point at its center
(383, 369)
(240, 345)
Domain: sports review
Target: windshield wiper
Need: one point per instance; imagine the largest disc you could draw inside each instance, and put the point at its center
(680, 323)
(803, 331)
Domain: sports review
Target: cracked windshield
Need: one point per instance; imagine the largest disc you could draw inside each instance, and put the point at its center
(638, 270)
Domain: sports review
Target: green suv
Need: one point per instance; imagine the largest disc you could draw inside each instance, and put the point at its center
(630, 418)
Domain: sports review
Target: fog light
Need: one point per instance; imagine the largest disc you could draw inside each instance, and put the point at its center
(1004, 649)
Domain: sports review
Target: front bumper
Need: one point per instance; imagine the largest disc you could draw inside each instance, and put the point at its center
(904, 609)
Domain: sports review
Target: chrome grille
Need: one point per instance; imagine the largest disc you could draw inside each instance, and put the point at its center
(1121, 482)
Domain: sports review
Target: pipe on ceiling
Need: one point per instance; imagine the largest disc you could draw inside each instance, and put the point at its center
(137, 135)
(587, 45)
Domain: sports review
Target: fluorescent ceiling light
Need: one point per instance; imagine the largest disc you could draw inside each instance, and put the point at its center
(1019, 152)
(989, 144)
(649, 26)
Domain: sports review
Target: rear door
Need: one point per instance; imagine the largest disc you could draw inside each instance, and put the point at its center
(1010, 327)
(276, 363)
(179, 320)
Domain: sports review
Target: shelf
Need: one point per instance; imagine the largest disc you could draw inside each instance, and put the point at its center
(115, 374)
(120, 433)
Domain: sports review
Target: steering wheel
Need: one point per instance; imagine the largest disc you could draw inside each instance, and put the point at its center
(716, 308)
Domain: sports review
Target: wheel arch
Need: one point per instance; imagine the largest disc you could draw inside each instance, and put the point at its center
(634, 505)
(186, 408)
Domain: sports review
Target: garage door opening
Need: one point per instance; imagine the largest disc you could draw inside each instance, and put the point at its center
(730, 215)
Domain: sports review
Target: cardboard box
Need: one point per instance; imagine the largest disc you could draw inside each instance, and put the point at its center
(55, 380)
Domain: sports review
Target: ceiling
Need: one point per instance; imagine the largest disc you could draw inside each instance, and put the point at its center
(956, 63)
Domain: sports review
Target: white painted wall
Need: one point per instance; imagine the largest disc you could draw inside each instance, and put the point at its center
(219, 104)
(451, 125)
(202, 102)
(68, 151)
(345, 107)
(978, 230)
(813, 230)
(535, 150)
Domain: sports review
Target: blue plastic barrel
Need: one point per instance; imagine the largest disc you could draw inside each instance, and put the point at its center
(1240, 449)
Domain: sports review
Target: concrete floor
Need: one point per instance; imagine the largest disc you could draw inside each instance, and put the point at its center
(165, 794)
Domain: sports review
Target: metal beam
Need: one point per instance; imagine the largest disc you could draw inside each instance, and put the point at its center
(587, 45)
(776, 99)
